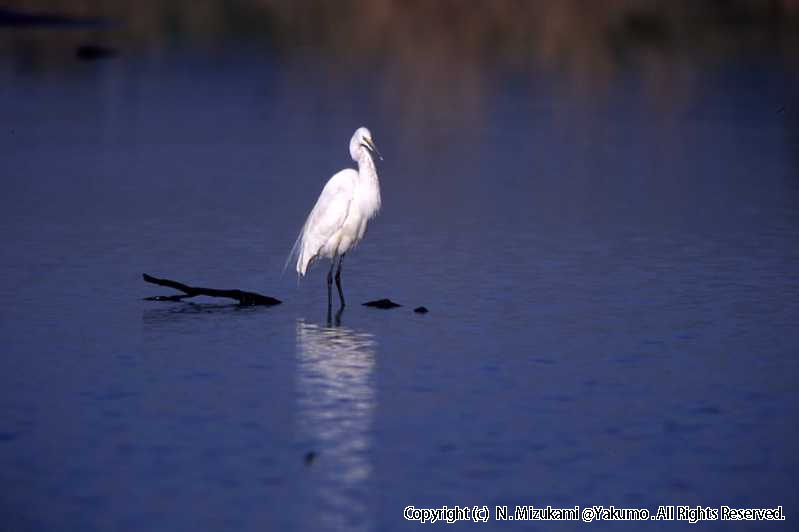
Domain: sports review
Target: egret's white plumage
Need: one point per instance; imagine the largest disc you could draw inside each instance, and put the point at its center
(338, 220)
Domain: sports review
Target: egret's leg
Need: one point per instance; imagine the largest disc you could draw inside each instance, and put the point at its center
(338, 281)
(329, 285)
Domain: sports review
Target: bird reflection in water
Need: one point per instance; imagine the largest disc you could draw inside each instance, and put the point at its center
(336, 405)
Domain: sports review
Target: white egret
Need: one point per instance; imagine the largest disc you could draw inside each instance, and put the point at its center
(338, 220)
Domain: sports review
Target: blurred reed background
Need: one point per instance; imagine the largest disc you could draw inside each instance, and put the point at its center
(448, 40)
(431, 60)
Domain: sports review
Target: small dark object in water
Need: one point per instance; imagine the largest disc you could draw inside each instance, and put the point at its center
(310, 456)
(244, 298)
(781, 110)
(12, 17)
(421, 310)
(92, 52)
(381, 303)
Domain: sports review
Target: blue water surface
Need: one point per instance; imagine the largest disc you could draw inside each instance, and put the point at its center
(611, 277)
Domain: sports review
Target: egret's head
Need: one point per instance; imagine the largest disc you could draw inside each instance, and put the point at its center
(362, 142)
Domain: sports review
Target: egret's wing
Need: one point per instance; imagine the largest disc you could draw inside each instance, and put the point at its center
(331, 208)
(325, 219)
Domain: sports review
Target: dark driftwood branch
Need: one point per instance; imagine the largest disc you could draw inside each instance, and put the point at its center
(244, 298)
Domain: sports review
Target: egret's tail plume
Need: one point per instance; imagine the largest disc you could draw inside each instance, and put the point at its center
(295, 254)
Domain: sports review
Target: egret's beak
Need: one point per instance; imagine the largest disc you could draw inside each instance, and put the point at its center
(369, 145)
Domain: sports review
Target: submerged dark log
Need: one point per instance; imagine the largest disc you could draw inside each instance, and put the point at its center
(244, 298)
(381, 303)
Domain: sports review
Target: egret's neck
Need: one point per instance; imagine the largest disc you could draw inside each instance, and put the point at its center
(368, 193)
(366, 169)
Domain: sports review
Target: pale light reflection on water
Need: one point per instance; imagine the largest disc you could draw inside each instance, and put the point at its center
(336, 402)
